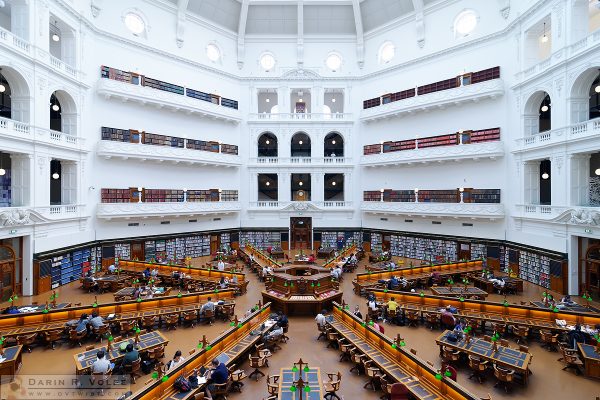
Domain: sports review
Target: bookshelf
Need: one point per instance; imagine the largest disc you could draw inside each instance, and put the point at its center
(371, 195)
(260, 240)
(229, 149)
(423, 248)
(229, 195)
(163, 196)
(450, 83)
(123, 251)
(479, 250)
(119, 75)
(330, 239)
(117, 196)
(229, 103)
(161, 249)
(484, 196)
(402, 196)
(376, 242)
(170, 250)
(436, 141)
(198, 95)
(162, 140)
(225, 239)
(203, 145)
(120, 135)
(161, 85)
(199, 195)
(470, 195)
(95, 257)
(371, 149)
(149, 250)
(439, 196)
(389, 147)
(534, 268)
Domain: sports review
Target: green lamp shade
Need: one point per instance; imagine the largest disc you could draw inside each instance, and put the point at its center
(385, 290)
(312, 284)
(179, 294)
(402, 343)
(95, 305)
(555, 309)
(294, 369)
(370, 323)
(45, 311)
(394, 346)
(438, 377)
(239, 325)
(200, 345)
(10, 299)
(505, 303)
(111, 338)
(292, 388)
(165, 378)
(15, 297)
(448, 373)
(422, 294)
(155, 375)
(139, 300)
(231, 323)
(462, 298)
(306, 369)
(318, 284)
(208, 347)
(363, 324)
(307, 389)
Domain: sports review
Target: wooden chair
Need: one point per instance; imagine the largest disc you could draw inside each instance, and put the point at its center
(345, 348)
(208, 316)
(487, 338)
(27, 340)
(257, 363)
(431, 320)
(157, 353)
(273, 385)
(504, 343)
(525, 349)
(237, 378)
(227, 312)
(499, 327)
(504, 377)
(332, 336)
(100, 379)
(104, 286)
(262, 351)
(134, 369)
(171, 321)
(53, 336)
(101, 331)
(550, 341)
(148, 322)
(126, 327)
(392, 315)
(357, 359)
(478, 368)
(272, 343)
(413, 351)
(449, 356)
(322, 331)
(221, 390)
(76, 337)
(520, 333)
(412, 318)
(571, 361)
(332, 386)
(386, 387)
(190, 318)
(373, 373)
(284, 338)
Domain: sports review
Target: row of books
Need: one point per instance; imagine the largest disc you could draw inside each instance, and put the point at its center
(134, 136)
(132, 195)
(333, 239)
(423, 248)
(452, 139)
(461, 80)
(469, 195)
(137, 79)
(260, 240)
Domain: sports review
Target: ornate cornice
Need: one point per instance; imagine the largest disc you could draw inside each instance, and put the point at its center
(445, 210)
(160, 210)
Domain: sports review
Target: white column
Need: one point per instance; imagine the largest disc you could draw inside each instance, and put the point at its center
(317, 99)
(317, 181)
(41, 180)
(281, 187)
(20, 106)
(253, 187)
(68, 182)
(578, 21)
(531, 174)
(69, 123)
(347, 104)
(42, 22)
(285, 190)
(21, 178)
(558, 180)
(253, 99)
(578, 172)
(579, 109)
(531, 125)
(27, 256)
(559, 26)
(317, 145)
(283, 99)
(69, 48)
(19, 19)
(348, 186)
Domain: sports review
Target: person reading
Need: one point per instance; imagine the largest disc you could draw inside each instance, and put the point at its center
(217, 375)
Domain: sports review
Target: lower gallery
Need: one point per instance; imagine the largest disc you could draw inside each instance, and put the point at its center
(299, 199)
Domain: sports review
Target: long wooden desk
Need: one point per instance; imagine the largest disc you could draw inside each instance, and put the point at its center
(148, 341)
(488, 311)
(397, 363)
(212, 274)
(458, 291)
(505, 356)
(228, 347)
(11, 364)
(591, 360)
(371, 279)
(312, 378)
(128, 292)
(17, 324)
(301, 304)
(325, 253)
(113, 280)
(488, 286)
(261, 258)
(339, 259)
(570, 308)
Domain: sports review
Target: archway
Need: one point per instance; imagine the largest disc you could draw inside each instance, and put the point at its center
(63, 113)
(584, 100)
(267, 145)
(300, 145)
(14, 95)
(333, 145)
(537, 116)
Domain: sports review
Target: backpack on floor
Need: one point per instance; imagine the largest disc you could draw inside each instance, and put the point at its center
(182, 384)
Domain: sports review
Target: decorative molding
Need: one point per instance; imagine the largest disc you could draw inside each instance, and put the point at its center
(300, 74)
(29, 216)
(473, 151)
(445, 98)
(95, 8)
(446, 210)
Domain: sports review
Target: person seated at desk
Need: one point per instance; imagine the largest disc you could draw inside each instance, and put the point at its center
(576, 336)
(311, 258)
(321, 318)
(96, 321)
(154, 273)
(89, 277)
(221, 266)
(353, 259)
(147, 273)
(234, 279)
(435, 277)
(101, 365)
(223, 283)
(392, 265)
(282, 319)
(131, 355)
(175, 274)
(392, 306)
(82, 324)
(209, 305)
(217, 375)
(274, 334)
(137, 293)
(336, 272)
(12, 310)
(461, 325)
(448, 320)
(176, 361)
(112, 268)
(566, 300)
(393, 283)
(357, 312)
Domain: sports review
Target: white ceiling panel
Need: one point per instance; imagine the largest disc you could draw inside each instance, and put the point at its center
(272, 19)
(332, 19)
(223, 12)
(379, 12)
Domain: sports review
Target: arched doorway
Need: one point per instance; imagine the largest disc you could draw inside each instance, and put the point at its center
(300, 145)
(63, 113)
(14, 95)
(333, 145)
(8, 262)
(267, 145)
(537, 116)
(301, 233)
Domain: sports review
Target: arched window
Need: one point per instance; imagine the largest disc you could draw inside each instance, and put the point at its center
(63, 113)
(267, 145)
(300, 145)
(14, 95)
(537, 114)
(333, 145)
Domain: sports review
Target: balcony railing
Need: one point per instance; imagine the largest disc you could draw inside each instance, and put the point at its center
(23, 131)
(579, 131)
(300, 160)
(301, 205)
(449, 210)
(321, 117)
(62, 66)
(11, 126)
(171, 209)
(14, 41)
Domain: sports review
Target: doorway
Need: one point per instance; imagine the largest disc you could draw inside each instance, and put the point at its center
(301, 233)
(592, 269)
(8, 261)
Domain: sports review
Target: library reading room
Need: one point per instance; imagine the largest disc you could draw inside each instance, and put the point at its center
(299, 199)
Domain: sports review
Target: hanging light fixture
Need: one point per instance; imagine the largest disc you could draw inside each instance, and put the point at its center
(55, 107)
(300, 183)
(268, 183)
(333, 99)
(333, 183)
(300, 142)
(55, 176)
(333, 141)
(597, 171)
(55, 36)
(544, 38)
(2, 87)
(545, 175)
(267, 141)
(2, 170)
(544, 108)
(268, 100)
(54, 103)
(545, 105)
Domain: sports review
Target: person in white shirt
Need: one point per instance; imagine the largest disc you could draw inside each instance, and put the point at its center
(101, 365)
(372, 304)
(353, 259)
(403, 282)
(336, 272)
(275, 333)
(221, 265)
(112, 268)
(321, 319)
(176, 361)
(154, 273)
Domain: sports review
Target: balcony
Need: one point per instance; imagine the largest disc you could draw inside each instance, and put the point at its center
(441, 99)
(302, 206)
(474, 151)
(448, 210)
(580, 133)
(144, 152)
(301, 161)
(147, 96)
(27, 216)
(109, 211)
(300, 117)
(586, 45)
(17, 131)
(8, 39)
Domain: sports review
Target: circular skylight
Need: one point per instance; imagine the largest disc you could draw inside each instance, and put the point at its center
(387, 52)
(134, 23)
(267, 61)
(333, 62)
(213, 52)
(465, 22)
